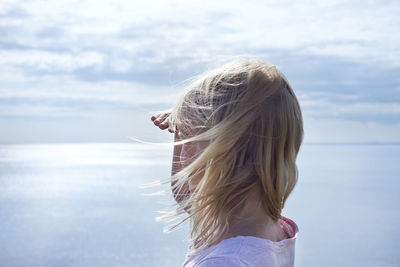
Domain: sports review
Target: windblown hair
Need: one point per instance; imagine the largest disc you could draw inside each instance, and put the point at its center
(251, 120)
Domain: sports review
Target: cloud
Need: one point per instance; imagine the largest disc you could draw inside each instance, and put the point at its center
(66, 59)
(153, 34)
(339, 130)
(50, 61)
(75, 98)
(318, 107)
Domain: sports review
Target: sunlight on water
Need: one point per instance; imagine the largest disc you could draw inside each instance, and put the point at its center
(86, 205)
(82, 205)
(85, 154)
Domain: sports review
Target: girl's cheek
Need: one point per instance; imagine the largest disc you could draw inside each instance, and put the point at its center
(184, 154)
(194, 181)
(191, 150)
(187, 153)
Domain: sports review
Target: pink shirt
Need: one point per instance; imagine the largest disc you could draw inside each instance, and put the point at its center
(248, 251)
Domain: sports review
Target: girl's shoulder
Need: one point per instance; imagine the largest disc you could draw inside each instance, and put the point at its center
(248, 250)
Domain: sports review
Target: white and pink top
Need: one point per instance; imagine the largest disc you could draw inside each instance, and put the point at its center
(248, 251)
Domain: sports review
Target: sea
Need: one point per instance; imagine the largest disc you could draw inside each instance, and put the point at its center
(97, 204)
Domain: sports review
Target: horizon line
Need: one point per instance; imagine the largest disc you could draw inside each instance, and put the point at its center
(378, 143)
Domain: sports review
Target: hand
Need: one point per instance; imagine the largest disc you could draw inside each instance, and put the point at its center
(161, 120)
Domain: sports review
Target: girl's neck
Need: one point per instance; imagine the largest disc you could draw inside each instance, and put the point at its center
(252, 220)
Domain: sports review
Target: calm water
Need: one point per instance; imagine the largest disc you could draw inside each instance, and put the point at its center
(82, 205)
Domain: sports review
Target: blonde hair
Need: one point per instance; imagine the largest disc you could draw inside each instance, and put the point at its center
(250, 118)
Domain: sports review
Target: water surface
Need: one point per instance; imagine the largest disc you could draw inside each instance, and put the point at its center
(81, 205)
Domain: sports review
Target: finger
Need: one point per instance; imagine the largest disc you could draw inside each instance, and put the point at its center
(156, 122)
(163, 126)
(164, 121)
(161, 118)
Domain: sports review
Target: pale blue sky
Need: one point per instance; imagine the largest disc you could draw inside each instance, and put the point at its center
(81, 71)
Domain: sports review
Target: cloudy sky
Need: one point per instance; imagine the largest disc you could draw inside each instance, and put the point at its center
(94, 71)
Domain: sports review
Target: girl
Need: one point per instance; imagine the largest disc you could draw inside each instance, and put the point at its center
(238, 130)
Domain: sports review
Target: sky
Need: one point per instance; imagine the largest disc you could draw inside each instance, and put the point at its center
(95, 71)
